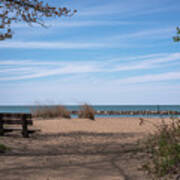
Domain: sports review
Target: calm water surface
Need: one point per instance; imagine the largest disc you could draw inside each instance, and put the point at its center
(29, 109)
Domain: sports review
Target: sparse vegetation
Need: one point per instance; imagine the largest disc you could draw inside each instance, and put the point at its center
(163, 149)
(3, 148)
(87, 111)
(51, 112)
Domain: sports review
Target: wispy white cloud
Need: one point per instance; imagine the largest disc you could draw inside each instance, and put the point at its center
(142, 62)
(108, 9)
(29, 62)
(134, 66)
(53, 45)
(150, 78)
(12, 70)
(164, 59)
(150, 33)
(127, 8)
(29, 69)
(157, 33)
(114, 41)
(44, 72)
(149, 63)
(148, 56)
(72, 23)
(89, 23)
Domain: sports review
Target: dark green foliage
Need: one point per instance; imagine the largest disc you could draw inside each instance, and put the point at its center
(3, 148)
(164, 150)
(177, 38)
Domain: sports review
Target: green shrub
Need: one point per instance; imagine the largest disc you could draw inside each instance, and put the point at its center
(3, 148)
(87, 111)
(164, 149)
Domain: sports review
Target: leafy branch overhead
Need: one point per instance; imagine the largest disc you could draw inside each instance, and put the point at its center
(177, 38)
(28, 11)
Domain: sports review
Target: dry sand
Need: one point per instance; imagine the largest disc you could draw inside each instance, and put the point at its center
(77, 149)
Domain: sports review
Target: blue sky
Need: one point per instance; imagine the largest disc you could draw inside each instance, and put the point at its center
(110, 52)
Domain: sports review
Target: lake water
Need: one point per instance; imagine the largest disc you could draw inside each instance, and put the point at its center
(29, 109)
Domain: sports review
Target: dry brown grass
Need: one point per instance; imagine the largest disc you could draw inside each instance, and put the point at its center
(46, 112)
(87, 111)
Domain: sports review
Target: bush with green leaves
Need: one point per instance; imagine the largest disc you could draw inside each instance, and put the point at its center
(164, 149)
(3, 148)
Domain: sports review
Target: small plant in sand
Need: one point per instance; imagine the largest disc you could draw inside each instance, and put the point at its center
(164, 149)
(3, 148)
(87, 111)
(51, 112)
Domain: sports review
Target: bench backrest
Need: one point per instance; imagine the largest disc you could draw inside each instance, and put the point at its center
(15, 118)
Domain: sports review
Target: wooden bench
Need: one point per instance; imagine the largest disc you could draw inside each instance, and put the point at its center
(16, 119)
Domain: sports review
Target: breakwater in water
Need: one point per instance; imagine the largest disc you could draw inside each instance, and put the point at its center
(132, 112)
(108, 110)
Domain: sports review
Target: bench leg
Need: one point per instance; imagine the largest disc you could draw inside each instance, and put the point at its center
(1, 129)
(24, 127)
(1, 126)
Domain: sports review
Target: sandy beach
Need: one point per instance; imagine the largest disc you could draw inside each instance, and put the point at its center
(77, 149)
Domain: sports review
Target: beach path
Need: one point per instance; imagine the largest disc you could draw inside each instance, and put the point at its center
(76, 149)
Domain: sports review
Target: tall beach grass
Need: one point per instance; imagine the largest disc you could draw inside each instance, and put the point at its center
(46, 112)
(86, 111)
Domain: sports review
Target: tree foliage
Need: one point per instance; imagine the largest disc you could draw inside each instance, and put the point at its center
(28, 11)
(177, 38)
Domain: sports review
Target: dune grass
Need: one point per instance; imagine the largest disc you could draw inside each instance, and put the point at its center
(163, 148)
(86, 111)
(46, 112)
